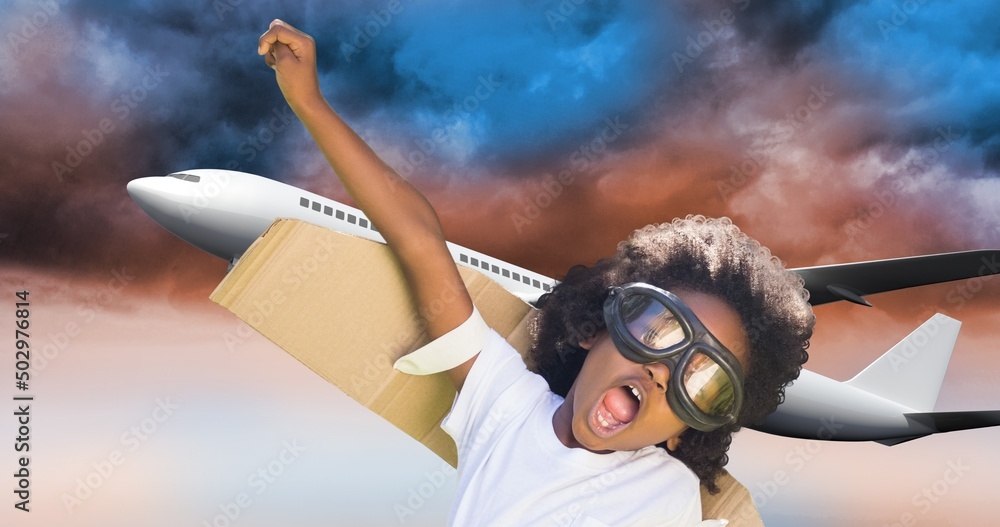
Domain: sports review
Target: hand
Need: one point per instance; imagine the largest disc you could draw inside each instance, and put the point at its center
(292, 55)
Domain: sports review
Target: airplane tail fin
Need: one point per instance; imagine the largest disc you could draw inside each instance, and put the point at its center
(910, 373)
(938, 422)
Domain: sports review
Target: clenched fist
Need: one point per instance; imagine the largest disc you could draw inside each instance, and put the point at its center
(292, 55)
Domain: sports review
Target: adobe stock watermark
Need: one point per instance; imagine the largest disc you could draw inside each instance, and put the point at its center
(427, 147)
(814, 102)
(581, 160)
(714, 29)
(377, 365)
(901, 14)
(563, 11)
(122, 106)
(263, 135)
(750, 165)
(104, 468)
(914, 344)
(293, 278)
(258, 482)
(929, 495)
(30, 26)
(376, 22)
(590, 495)
(593, 323)
(967, 289)
(52, 345)
(419, 495)
(224, 7)
(210, 187)
(795, 460)
(887, 198)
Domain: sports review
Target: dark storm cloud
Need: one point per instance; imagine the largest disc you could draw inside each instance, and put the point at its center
(782, 29)
(506, 87)
(98, 93)
(219, 92)
(925, 68)
(535, 83)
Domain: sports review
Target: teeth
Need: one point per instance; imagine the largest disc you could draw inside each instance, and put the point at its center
(603, 421)
(635, 392)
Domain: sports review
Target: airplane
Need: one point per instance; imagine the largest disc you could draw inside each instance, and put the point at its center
(890, 402)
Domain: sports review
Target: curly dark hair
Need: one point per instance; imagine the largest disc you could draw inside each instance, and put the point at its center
(710, 256)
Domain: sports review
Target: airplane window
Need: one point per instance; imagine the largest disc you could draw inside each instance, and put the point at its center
(362, 222)
(526, 280)
(475, 262)
(485, 266)
(316, 206)
(185, 177)
(516, 277)
(506, 273)
(352, 218)
(304, 202)
(496, 269)
(535, 283)
(340, 214)
(547, 287)
(328, 210)
(463, 258)
(373, 228)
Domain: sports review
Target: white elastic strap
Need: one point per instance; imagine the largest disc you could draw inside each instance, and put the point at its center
(449, 350)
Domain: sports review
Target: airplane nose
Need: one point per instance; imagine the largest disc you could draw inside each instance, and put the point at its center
(141, 189)
(147, 192)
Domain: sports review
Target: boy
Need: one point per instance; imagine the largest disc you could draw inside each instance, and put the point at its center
(649, 360)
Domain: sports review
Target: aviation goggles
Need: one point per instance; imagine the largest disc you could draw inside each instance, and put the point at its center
(648, 324)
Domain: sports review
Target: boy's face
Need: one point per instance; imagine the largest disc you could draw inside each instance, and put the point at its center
(603, 389)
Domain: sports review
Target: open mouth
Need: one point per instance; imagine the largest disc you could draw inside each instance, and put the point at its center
(616, 410)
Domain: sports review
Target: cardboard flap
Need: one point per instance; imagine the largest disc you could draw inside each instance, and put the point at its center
(341, 306)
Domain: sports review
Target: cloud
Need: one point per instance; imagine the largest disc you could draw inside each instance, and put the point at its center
(796, 120)
(506, 86)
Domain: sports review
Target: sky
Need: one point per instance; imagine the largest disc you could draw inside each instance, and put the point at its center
(543, 132)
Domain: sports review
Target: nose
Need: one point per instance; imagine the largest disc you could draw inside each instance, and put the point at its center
(658, 373)
(143, 191)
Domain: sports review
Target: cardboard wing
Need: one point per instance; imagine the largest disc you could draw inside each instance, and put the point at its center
(341, 306)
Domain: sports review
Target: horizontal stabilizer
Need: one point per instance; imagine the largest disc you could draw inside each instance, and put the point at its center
(952, 421)
(911, 372)
(940, 422)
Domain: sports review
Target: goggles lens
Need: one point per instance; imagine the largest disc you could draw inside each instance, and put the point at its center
(709, 386)
(651, 323)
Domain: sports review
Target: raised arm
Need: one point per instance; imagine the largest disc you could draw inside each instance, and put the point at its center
(403, 216)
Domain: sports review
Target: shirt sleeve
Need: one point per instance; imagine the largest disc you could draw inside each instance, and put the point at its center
(499, 388)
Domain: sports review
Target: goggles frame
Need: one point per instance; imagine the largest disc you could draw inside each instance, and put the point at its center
(697, 339)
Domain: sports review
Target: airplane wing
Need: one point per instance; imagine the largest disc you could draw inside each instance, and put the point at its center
(852, 281)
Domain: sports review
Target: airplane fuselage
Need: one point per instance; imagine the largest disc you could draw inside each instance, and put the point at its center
(222, 212)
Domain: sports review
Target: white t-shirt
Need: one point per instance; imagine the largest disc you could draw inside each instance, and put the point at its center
(514, 471)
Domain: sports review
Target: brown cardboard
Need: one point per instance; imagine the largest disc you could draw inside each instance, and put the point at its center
(340, 305)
